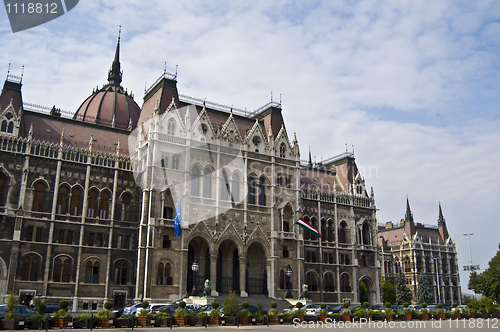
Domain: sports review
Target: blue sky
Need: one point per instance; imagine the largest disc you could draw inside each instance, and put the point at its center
(412, 85)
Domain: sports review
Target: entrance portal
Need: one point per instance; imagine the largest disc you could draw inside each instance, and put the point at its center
(256, 273)
(228, 271)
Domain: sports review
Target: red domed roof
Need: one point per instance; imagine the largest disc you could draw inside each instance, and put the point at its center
(111, 106)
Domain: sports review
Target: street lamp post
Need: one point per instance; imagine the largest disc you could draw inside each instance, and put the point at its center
(471, 267)
(289, 273)
(437, 276)
(195, 268)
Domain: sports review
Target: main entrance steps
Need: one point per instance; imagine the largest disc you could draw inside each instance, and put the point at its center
(253, 299)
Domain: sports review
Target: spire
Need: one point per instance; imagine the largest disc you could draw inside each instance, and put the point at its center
(441, 220)
(310, 163)
(408, 215)
(115, 74)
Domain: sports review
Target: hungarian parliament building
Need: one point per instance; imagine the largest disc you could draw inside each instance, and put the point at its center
(122, 202)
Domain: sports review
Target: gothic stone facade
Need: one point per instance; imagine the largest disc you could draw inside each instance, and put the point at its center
(421, 250)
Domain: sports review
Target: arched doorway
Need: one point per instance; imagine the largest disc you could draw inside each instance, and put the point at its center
(366, 291)
(228, 268)
(198, 250)
(256, 273)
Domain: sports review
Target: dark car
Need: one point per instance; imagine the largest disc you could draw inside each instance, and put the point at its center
(377, 307)
(20, 311)
(170, 309)
(52, 307)
(353, 307)
(336, 309)
(397, 308)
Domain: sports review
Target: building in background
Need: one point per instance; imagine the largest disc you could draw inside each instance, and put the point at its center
(421, 250)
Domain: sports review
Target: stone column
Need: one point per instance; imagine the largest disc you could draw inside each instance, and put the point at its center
(243, 268)
(213, 273)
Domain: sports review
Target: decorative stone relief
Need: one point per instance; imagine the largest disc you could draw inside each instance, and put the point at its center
(237, 216)
(264, 220)
(224, 216)
(252, 218)
(195, 211)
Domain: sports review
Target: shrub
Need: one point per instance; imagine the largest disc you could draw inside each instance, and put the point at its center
(161, 315)
(82, 316)
(104, 313)
(127, 316)
(387, 305)
(182, 304)
(142, 313)
(11, 307)
(366, 304)
(274, 312)
(36, 318)
(230, 304)
(215, 312)
(406, 304)
(260, 309)
(215, 305)
(144, 304)
(180, 312)
(63, 304)
(359, 312)
(108, 305)
(61, 313)
(245, 313)
(40, 306)
(322, 305)
(274, 305)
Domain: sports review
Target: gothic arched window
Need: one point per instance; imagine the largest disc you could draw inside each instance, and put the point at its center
(195, 181)
(235, 188)
(171, 127)
(39, 197)
(76, 202)
(207, 183)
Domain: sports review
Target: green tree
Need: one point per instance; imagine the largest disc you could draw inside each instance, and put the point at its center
(488, 282)
(363, 292)
(388, 292)
(403, 294)
(424, 294)
(230, 304)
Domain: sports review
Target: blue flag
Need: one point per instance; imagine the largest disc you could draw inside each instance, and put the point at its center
(177, 220)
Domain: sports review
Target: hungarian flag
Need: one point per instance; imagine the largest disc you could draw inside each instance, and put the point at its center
(305, 225)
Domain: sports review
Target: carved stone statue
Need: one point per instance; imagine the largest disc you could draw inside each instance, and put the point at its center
(305, 289)
(208, 289)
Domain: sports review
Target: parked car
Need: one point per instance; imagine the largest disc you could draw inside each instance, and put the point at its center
(155, 306)
(353, 307)
(377, 307)
(170, 309)
(336, 310)
(131, 310)
(117, 312)
(315, 310)
(52, 307)
(20, 311)
(397, 307)
(415, 307)
(433, 307)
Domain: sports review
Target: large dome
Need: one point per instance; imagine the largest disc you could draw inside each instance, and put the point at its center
(110, 106)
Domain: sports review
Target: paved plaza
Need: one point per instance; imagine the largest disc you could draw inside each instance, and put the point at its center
(431, 325)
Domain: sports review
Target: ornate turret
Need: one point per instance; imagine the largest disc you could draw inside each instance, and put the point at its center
(115, 74)
(443, 230)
